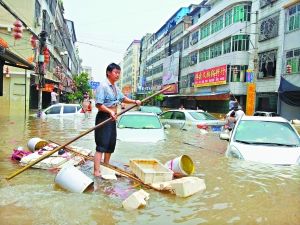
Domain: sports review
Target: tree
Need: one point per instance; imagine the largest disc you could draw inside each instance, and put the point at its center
(156, 100)
(82, 86)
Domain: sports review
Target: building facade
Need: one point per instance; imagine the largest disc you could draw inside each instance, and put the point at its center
(130, 69)
(218, 48)
(63, 62)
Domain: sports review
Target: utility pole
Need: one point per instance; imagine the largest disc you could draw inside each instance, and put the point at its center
(41, 69)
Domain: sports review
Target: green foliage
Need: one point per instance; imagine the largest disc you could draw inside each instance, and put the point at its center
(82, 85)
(156, 100)
(159, 97)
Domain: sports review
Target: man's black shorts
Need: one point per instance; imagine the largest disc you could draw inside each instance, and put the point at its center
(106, 135)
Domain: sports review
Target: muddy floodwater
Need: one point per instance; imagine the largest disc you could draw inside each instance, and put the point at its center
(238, 192)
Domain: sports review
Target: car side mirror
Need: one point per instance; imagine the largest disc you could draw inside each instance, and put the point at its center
(224, 136)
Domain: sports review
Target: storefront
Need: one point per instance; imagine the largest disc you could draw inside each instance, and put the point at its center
(13, 87)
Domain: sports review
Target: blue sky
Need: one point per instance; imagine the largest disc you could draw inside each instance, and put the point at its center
(110, 26)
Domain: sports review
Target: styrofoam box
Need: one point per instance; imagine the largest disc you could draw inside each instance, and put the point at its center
(150, 170)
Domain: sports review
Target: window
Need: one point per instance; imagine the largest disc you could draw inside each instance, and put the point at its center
(216, 50)
(53, 110)
(228, 18)
(191, 79)
(37, 9)
(205, 31)
(139, 122)
(264, 3)
(293, 59)
(178, 116)
(203, 54)
(166, 115)
(227, 45)
(294, 18)
(240, 75)
(268, 27)
(240, 43)
(184, 82)
(185, 62)
(69, 109)
(217, 24)
(267, 64)
(194, 38)
(193, 58)
(186, 42)
(241, 13)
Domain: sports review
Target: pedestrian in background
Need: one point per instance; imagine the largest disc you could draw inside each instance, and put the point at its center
(89, 109)
(108, 96)
(53, 97)
(232, 100)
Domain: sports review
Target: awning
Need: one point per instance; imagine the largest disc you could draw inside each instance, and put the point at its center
(11, 59)
(289, 93)
(203, 94)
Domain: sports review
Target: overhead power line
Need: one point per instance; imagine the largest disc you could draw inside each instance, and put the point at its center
(98, 46)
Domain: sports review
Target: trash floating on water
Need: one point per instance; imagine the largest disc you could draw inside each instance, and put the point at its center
(182, 187)
(136, 200)
(150, 170)
(182, 165)
(72, 179)
(36, 144)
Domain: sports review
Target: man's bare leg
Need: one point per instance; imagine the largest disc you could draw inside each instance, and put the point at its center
(97, 159)
(107, 157)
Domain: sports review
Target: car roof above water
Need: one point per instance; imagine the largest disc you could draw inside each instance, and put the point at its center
(264, 118)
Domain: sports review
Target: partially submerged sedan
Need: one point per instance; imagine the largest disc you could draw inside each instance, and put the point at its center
(140, 127)
(62, 110)
(191, 119)
(264, 139)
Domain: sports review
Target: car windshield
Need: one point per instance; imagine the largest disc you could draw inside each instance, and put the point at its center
(266, 132)
(139, 122)
(152, 109)
(202, 116)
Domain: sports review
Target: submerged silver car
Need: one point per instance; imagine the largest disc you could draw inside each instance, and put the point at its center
(140, 127)
(192, 119)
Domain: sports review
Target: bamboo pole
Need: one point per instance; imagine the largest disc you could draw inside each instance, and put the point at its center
(115, 168)
(79, 136)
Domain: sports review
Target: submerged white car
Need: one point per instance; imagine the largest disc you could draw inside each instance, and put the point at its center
(140, 127)
(264, 139)
(62, 110)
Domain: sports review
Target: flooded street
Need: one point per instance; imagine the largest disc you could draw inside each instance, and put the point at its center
(237, 192)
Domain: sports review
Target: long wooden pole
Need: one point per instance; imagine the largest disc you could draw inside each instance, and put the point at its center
(115, 168)
(79, 136)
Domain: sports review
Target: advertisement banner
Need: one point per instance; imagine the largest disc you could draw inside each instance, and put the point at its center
(170, 69)
(249, 75)
(48, 87)
(251, 95)
(213, 76)
(172, 90)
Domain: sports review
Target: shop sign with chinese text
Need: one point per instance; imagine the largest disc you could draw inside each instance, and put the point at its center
(251, 95)
(213, 76)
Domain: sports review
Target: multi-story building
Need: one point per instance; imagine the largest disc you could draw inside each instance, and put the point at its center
(220, 48)
(130, 70)
(41, 15)
(289, 91)
(88, 70)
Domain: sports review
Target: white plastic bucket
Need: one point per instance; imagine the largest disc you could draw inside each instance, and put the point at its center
(72, 179)
(36, 143)
(182, 165)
